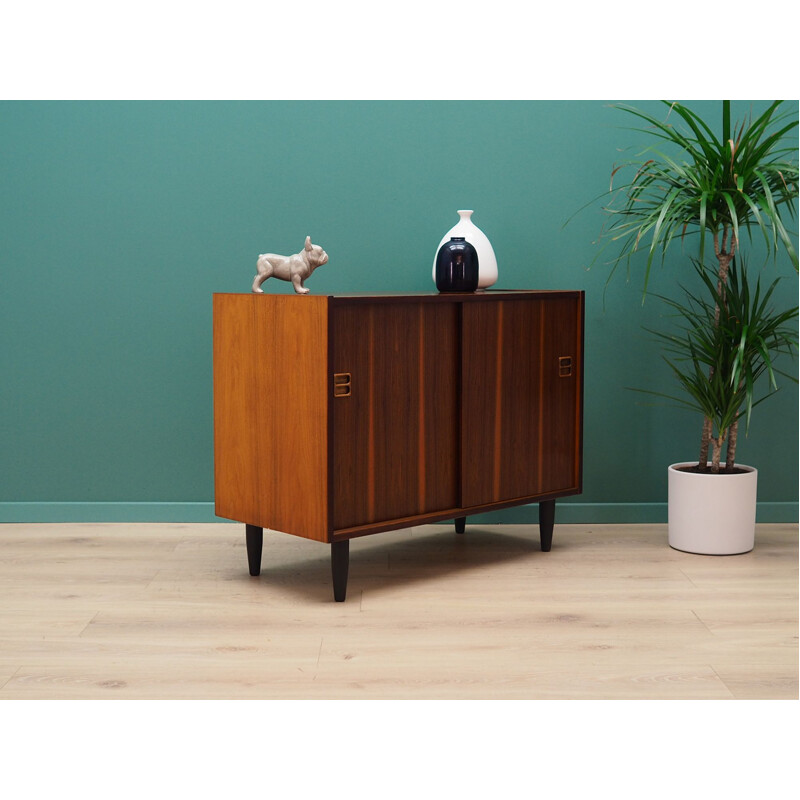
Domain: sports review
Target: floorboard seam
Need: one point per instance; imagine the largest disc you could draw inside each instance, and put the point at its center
(701, 621)
(10, 678)
(722, 681)
(86, 626)
(687, 577)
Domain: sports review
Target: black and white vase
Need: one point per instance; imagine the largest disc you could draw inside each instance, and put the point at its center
(456, 268)
(487, 271)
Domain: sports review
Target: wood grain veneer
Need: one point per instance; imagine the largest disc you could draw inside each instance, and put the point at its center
(270, 412)
(396, 435)
(521, 416)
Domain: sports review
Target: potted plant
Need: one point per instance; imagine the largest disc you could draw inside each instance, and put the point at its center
(728, 335)
(721, 350)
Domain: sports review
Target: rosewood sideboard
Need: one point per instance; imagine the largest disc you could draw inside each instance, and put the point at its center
(342, 416)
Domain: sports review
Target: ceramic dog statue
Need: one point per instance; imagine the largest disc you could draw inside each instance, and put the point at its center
(294, 268)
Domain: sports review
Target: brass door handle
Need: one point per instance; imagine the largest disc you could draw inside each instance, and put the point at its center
(564, 366)
(342, 384)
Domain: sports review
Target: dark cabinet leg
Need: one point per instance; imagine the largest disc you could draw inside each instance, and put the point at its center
(460, 523)
(255, 541)
(547, 517)
(340, 561)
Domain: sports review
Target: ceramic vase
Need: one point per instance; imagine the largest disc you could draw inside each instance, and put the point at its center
(487, 262)
(456, 267)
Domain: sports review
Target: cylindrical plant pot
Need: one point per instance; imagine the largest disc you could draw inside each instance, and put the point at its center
(712, 514)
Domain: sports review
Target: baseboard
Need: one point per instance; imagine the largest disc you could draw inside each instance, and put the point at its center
(621, 513)
(108, 512)
(566, 512)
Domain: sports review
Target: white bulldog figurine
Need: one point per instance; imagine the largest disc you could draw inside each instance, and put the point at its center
(294, 268)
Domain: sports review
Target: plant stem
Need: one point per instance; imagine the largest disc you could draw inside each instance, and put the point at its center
(716, 451)
(724, 257)
(733, 435)
(704, 442)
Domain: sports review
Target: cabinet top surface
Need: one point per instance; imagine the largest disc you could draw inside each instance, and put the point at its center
(426, 296)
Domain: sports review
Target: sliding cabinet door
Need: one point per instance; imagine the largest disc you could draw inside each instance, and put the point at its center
(395, 410)
(521, 397)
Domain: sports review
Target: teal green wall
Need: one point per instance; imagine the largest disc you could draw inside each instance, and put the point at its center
(119, 220)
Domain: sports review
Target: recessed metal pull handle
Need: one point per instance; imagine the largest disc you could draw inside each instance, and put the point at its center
(564, 366)
(341, 384)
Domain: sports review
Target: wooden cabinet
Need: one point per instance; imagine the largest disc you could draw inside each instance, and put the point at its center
(342, 416)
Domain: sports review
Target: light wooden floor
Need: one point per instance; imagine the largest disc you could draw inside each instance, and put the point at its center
(168, 611)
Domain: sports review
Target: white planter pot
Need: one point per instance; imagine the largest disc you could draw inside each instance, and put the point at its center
(712, 514)
(487, 261)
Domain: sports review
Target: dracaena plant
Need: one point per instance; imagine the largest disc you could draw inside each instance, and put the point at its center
(722, 350)
(707, 186)
(690, 182)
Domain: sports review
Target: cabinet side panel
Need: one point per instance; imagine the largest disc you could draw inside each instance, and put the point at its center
(291, 434)
(236, 467)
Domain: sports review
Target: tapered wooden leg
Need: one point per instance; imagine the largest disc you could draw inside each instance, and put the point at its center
(547, 517)
(340, 561)
(460, 523)
(255, 540)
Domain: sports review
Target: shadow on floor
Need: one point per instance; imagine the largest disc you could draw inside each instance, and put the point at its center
(420, 556)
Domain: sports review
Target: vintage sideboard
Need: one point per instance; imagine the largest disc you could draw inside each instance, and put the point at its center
(342, 416)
